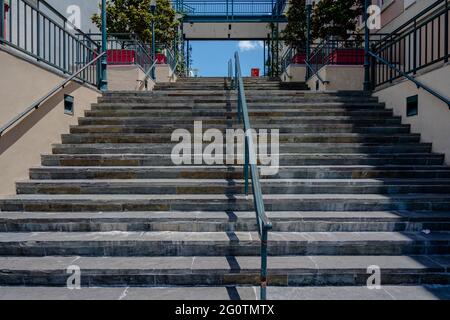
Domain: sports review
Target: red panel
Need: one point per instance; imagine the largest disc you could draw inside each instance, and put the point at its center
(161, 58)
(347, 57)
(255, 72)
(299, 58)
(121, 56)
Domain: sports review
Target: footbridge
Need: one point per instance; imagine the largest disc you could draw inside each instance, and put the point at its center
(231, 19)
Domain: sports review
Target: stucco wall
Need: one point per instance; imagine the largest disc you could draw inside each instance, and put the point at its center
(294, 73)
(128, 78)
(434, 115)
(164, 74)
(21, 83)
(345, 77)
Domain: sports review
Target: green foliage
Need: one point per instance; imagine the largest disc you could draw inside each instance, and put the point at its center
(295, 33)
(134, 16)
(335, 18)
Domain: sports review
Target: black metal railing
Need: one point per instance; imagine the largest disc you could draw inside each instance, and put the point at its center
(230, 8)
(126, 49)
(39, 31)
(421, 42)
(251, 166)
(335, 52)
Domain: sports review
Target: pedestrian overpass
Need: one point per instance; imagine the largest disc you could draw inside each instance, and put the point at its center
(258, 20)
(231, 19)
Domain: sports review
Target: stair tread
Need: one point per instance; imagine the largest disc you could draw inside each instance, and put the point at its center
(238, 237)
(241, 264)
(198, 293)
(119, 197)
(230, 182)
(230, 216)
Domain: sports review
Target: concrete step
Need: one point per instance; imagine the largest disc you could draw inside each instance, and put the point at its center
(207, 271)
(231, 99)
(221, 202)
(119, 159)
(263, 105)
(156, 244)
(236, 172)
(333, 128)
(225, 221)
(288, 138)
(284, 148)
(280, 121)
(170, 106)
(286, 93)
(373, 113)
(232, 187)
(198, 293)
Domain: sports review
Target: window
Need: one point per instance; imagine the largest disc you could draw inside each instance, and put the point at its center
(412, 106)
(68, 104)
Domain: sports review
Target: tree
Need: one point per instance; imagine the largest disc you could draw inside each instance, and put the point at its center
(335, 18)
(294, 35)
(134, 16)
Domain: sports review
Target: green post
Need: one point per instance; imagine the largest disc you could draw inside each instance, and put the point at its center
(308, 34)
(153, 10)
(2, 19)
(366, 47)
(104, 59)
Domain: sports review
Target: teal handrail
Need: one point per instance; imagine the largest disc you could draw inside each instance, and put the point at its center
(37, 103)
(263, 223)
(410, 78)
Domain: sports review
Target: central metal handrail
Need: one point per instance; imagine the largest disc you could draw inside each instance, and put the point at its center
(37, 103)
(251, 165)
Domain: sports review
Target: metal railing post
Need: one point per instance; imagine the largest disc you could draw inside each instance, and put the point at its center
(248, 136)
(2, 20)
(308, 37)
(366, 47)
(263, 277)
(446, 32)
(104, 61)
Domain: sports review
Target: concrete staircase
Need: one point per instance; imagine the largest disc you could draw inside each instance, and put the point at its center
(355, 188)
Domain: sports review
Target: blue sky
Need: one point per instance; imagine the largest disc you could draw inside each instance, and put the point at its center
(211, 57)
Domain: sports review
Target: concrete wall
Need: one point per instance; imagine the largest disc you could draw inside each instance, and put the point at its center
(294, 73)
(21, 83)
(343, 77)
(434, 115)
(127, 78)
(164, 74)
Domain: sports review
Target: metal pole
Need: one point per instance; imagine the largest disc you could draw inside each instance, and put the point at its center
(104, 60)
(153, 47)
(264, 57)
(264, 238)
(2, 19)
(308, 37)
(188, 62)
(446, 32)
(366, 48)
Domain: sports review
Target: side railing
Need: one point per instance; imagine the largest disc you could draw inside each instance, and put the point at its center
(335, 52)
(39, 31)
(251, 170)
(126, 49)
(230, 8)
(35, 105)
(420, 43)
